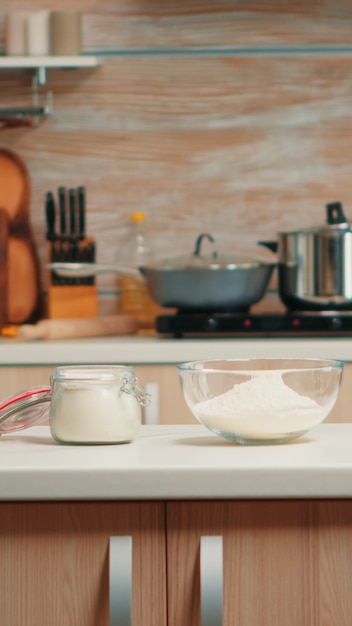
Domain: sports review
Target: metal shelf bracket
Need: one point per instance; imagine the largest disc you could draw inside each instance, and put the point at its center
(29, 115)
(12, 117)
(41, 76)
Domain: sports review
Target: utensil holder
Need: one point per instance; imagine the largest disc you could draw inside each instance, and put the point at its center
(20, 276)
(70, 297)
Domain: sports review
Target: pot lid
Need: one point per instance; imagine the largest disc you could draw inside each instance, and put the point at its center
(24, 409)
(210, 261)
(335, 221)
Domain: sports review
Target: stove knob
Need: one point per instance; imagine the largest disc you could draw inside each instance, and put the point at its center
(335, 323)
(211, 324)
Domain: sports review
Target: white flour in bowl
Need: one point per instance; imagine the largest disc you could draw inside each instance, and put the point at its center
(263, 407)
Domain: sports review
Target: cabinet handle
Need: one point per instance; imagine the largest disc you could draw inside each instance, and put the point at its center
(120, 577)
(211, 580)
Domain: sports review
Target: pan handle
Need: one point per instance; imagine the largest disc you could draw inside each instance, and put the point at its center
(82, 270)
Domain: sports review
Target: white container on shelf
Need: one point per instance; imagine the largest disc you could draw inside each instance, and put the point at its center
(38, 33)
(16, 33)
(65, 33)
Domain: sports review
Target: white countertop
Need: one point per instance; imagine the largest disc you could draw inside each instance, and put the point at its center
(140, 350)
(176, 462)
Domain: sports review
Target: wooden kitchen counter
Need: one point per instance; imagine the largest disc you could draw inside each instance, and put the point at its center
(174, 527)
(176, 462)
(151, 349)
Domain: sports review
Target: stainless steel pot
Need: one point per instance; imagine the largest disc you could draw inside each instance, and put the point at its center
(315, 265)
(195, 282)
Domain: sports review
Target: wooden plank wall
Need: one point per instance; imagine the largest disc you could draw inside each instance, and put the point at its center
(199, 129)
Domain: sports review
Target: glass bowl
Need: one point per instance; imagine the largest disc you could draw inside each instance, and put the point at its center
(258, 401)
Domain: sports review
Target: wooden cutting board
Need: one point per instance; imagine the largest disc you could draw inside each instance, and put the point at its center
(20, 284)
(110, 325)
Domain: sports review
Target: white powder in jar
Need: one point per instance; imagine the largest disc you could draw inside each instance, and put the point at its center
(91, 413)
(263, 407)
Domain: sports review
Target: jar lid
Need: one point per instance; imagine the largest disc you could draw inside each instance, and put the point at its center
(336, 223)
(92, 373)
(24, 409)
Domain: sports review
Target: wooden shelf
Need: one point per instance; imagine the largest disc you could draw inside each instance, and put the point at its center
(58, 62)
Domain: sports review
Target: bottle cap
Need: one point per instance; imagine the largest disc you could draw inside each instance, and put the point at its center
(138, 217)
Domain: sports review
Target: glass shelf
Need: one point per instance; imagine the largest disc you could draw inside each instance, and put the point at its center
(92, 59)
(236, 51)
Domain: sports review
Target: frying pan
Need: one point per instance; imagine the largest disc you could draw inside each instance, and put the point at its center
(196, 282)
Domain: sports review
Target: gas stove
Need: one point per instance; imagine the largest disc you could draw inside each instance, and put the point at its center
(235, 324)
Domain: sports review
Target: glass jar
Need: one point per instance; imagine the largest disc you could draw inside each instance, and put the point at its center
(85, 405)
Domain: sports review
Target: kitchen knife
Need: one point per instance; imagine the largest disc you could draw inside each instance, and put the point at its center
(55, 279)
(83, 257)
(64, 257)
(74, 258)
(62, 211)
(50, 213)
(81, 193)
(91, 259)
(72, 211)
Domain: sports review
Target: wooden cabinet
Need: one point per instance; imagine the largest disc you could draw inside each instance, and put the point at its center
(15, 378)
(168, 403)
(54, 566)
(284, 562)
(281, 562)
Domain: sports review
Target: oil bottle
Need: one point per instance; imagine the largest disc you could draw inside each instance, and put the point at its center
(134, 297)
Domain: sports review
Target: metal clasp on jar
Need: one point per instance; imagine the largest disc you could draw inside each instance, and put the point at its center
(131, 387)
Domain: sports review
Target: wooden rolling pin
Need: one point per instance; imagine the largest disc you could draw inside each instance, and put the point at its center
(70, 328)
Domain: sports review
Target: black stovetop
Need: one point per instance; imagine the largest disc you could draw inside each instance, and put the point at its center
(289, 324)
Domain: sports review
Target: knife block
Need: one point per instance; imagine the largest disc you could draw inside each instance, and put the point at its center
(71, 297)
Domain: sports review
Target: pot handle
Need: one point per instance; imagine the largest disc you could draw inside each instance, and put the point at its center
(271, 245)
(199, 243)
(335, 214)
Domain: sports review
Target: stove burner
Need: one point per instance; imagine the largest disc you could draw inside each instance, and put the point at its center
(220, 311)
(307, 323)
